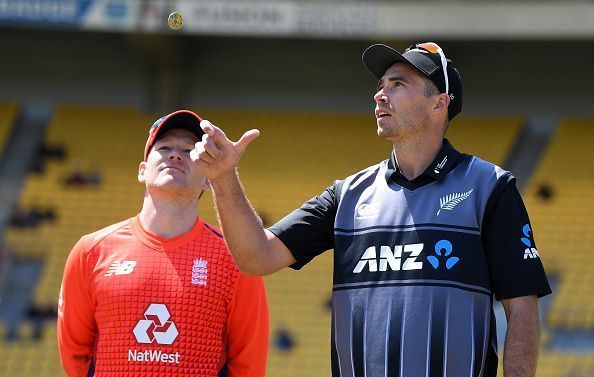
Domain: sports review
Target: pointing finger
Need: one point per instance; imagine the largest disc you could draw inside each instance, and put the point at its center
(213, 131)
(207, 127)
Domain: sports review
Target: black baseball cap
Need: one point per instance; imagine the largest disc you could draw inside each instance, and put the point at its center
(379, 57)
(184, 119)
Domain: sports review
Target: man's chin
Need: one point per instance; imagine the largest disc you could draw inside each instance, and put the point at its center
(385, 132)
(171, 188)
(165, 181)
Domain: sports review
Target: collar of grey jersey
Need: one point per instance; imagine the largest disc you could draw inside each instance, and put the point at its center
(437, 170)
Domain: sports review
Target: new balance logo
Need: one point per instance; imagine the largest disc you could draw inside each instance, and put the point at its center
(392, 258)
(121, 267)
(450, 201)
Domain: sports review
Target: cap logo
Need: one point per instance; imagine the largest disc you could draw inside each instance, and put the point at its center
(157, 122)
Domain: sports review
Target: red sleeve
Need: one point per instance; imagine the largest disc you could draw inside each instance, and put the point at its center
(248, 329)
(77, 329)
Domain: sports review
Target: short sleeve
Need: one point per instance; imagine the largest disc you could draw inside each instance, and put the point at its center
(515, 266)
(77, 329)
(309, 230)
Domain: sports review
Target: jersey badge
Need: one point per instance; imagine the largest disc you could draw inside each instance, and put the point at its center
(200, 272)
(449, 202)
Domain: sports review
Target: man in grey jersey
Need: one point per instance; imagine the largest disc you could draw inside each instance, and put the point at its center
(423, 241)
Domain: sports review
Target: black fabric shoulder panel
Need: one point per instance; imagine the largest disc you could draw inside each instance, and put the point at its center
(502, 184)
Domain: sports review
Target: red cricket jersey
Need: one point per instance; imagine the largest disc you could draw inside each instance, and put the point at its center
(136, 304)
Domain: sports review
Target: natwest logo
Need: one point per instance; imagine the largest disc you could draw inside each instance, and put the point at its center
(391, 257)
(153, 355)
(156, 327)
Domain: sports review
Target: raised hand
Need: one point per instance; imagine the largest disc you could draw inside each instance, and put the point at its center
(216, 155)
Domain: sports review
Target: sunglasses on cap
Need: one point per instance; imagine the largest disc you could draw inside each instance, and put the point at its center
(433, 48)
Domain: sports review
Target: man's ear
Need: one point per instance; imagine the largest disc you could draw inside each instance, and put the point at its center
(442, 103)
(141, 170)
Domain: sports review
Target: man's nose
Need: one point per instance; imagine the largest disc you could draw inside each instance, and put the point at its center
(380, 97)
(175, 155)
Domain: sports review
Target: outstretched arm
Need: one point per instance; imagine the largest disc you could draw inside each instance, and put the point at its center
(255, 250)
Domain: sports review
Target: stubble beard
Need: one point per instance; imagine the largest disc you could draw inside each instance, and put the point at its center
(405, 130)
(396, 132)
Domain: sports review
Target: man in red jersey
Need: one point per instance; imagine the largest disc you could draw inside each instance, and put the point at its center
(159, 294)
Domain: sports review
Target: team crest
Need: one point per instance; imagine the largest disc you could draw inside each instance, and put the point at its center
(450, 201)
(200, 272)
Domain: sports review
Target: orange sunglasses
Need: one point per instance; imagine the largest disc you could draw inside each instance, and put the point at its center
(434, 48)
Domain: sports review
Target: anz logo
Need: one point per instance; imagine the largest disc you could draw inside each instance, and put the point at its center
(443, 249)
(392, 258)
(530, 252)
(405, 257)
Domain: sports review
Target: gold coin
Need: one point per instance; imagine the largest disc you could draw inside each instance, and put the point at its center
(175, 21)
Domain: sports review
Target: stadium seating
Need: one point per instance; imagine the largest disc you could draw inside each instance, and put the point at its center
(490, 138)
(31, 358)
(295, 158)
(8, 115)
(111, 139)
(558, 364)
(564, 224)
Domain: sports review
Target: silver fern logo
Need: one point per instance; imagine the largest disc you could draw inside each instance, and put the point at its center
(450, 201)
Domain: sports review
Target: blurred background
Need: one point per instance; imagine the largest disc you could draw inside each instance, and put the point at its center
(82, 80)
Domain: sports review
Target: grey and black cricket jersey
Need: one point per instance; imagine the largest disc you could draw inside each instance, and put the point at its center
(416, 264)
